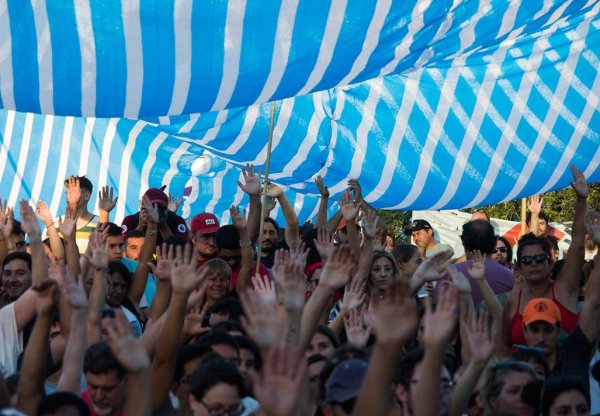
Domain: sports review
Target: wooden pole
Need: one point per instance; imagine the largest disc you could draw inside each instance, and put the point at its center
(264, 193)
(523, 215)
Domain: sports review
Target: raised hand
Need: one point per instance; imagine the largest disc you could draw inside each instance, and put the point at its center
(434, 267)
(384, 316)
(43, 213)
(265, 289)
(349, 207)
(477, 267)
(270, 204)
(260, 320)
(99, 249)
(355, 186)
(579, 183)
(74, 293)
(440, 324)
(535, 204)
(251, 183)
(47, 291)
(274, 191)
(277, 386)
(482, 341)
(73, 192)
(29, 222)
(192, 324)
(592, 225)
(174, 203)
(324, 244)
(184, 276)
(165, 258)
(323, 190)
(299, 254)
(371, 219)
(336, 272)
(293, 286)
(150, 211)
(57, 271)
(106, 202)
(354, 295)
(68, 223)
(6, 220)
(128, 351)
(460, 280)
(239, 218)
(356, 331)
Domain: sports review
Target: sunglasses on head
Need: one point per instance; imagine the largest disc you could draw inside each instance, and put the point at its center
(538, 258)
(500, 249)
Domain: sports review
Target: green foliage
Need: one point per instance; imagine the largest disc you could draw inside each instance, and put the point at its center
(559, 205)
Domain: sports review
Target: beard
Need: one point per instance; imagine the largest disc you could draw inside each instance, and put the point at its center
(268, 248)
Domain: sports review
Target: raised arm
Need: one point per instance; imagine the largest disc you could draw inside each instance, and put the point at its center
(366, 252)
(30, 225)
(439, 328)
(133, 357)
(239, 221)
(184, 279)
(33, 371)
(567, 281)
(350, 208)
(165, 257)
(292, 231)
(140, 277)
(251, 186)
(6, 223)
(98, 247)
(535, 207)
(322, 213)
(391, 334)
(56, 245)
(106, 203)
(588, 321)
(335, 275)
(481, 342)
(72, 366)
(67, 228)
(430, 270)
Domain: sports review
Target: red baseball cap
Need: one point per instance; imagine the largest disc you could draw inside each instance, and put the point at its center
(205, 223)
(157, 196)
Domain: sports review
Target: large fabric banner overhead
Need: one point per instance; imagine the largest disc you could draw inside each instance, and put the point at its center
(430, 104)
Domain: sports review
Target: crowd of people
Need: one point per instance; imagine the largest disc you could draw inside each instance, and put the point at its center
(159, 316)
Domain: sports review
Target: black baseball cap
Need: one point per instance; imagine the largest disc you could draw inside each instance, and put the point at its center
(418, 225)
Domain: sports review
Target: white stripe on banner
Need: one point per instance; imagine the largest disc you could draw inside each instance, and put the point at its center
(130, 11)
(335, 19)
(43, 161)
(87, 44)
(183, 59)
(234, 27)
(126, 160)
(16, 185)
(109, 136)
(281, 48)
(6, 64)
(62, 166)
(173, 164)
(149, 162)
(44, 54)
(85, 146)
(5, 143)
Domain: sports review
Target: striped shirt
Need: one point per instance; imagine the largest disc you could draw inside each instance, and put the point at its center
(82, 235)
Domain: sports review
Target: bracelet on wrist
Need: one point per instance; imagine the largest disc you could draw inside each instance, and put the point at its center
(246, 244)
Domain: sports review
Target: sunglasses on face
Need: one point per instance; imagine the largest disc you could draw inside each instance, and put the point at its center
(500, 249)
(538, 258)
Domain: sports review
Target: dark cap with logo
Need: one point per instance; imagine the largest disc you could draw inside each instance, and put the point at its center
(418, 225)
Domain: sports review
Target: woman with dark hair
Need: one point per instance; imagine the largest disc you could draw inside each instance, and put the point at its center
(503, 386)
(503, 252)
(383, 270)
(565, 396)
(119, 282)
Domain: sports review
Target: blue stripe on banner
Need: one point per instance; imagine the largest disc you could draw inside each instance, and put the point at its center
(65, 51)
(111, 62)
(24, 55)
(159, 55)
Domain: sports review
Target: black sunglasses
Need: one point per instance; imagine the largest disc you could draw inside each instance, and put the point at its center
(538, 258)
(500, 249)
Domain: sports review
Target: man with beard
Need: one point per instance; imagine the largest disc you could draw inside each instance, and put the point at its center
(268, 242)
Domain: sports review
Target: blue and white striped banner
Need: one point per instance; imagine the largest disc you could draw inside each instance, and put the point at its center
(430, 104)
